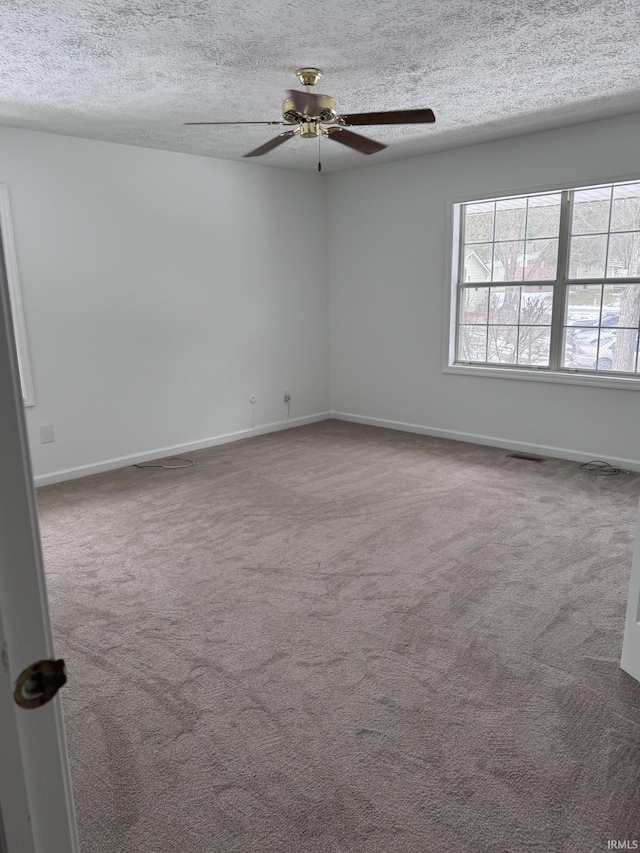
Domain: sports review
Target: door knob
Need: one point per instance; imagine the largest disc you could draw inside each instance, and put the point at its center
(39, 683)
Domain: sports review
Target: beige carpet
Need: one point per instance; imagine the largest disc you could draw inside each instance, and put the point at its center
(341, 638)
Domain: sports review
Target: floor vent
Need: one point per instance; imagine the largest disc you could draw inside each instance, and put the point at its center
(527, 456)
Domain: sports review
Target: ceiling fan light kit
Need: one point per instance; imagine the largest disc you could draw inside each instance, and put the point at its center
(307, 113)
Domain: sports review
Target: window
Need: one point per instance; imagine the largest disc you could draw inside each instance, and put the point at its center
(550, 282)
(8, 254)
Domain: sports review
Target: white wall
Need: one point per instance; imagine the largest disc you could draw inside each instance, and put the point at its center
(388, 252)
(160, 290)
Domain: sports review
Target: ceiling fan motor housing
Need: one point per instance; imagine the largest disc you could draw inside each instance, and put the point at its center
(325, 111)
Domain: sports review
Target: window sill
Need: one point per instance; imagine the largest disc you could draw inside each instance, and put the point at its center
(592, 379)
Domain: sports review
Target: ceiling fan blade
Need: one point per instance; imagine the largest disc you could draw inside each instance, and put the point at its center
(271, 144)
(304, 102)
(190, 123)
(392, 117)
(355, 140)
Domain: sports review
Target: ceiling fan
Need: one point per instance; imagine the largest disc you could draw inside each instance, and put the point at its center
(309, 115)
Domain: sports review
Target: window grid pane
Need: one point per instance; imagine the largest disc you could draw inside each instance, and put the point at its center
(505, 324)
(512, 239)
(605, 233)
(591, 211)
(533, 345)
(588, 255)
(543, 216)
(601, 331)
(513, 245)
(541, 260)
(625, 208)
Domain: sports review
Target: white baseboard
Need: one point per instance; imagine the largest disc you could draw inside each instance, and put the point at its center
(161, 452)
(492, 441)
(473, 438)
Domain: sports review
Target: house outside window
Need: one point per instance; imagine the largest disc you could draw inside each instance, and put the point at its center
(549, 283)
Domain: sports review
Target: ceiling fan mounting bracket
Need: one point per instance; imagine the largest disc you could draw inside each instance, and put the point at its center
(308, 76)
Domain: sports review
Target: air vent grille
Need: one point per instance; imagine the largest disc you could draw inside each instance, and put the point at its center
(528, 457)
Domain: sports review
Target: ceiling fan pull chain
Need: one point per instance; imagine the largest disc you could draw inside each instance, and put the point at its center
(319, 163)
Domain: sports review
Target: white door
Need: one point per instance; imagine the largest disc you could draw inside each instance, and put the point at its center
(631, 646)
(36, 803)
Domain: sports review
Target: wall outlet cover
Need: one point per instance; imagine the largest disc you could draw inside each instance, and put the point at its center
(46, 433)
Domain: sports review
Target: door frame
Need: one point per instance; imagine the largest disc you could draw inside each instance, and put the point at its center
(14, 801)
(35, 785)
(630, 662)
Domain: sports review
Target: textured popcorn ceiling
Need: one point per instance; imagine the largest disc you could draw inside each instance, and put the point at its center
(133, 72)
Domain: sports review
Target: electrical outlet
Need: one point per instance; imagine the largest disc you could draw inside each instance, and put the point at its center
(287, 395)
(252, 398)
(46, 433)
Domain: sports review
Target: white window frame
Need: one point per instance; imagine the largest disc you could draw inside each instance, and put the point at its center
(15, 297)
(452, 266)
